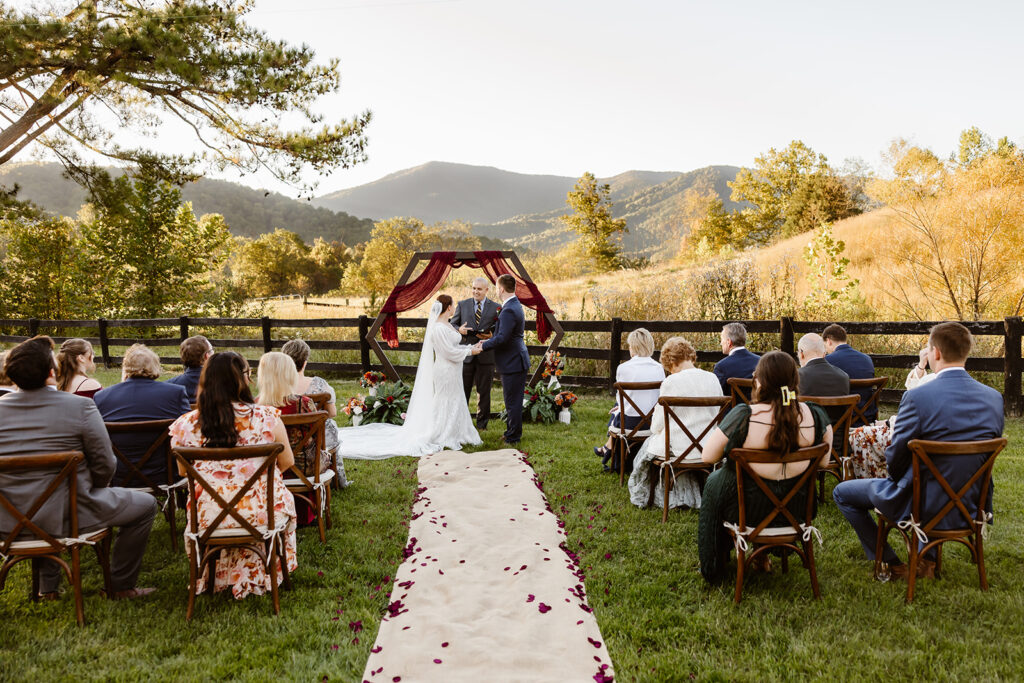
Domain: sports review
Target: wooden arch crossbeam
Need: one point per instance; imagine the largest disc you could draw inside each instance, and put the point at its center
(519, 270)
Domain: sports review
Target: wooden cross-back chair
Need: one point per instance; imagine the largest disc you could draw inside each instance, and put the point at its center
(314, 489)
(740, 389)
(798, 535)
(625, 438)
(676, 461)
(321, 400)
(875, 385)
(839, 465)
(15, 547)
(135, 478)
(204, 546)
(970, 534)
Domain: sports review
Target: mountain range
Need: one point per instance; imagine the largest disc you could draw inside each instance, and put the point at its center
(521, 210)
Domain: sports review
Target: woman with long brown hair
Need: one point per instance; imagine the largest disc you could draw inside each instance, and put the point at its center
(227, 416)
(775, 420)
(75, 361)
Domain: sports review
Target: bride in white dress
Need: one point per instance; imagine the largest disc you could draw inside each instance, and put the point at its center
(438, 417)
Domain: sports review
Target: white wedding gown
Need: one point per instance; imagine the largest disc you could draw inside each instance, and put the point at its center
(438, 417)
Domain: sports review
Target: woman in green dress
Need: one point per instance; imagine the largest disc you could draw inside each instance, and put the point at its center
(775, 421)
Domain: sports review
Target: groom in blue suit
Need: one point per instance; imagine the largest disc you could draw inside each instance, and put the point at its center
(952, 407)
(510, 356)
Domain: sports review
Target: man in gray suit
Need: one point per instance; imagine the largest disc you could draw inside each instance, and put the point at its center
(818, 377)
(474, 318)
(39, 419)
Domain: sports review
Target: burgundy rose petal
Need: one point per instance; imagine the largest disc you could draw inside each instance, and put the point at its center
(444, 644)
(595, 643)
(543, 608)
(437, 661)
(376, 649)
(530, 597)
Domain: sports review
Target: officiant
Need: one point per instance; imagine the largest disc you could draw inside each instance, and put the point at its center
(474, 318)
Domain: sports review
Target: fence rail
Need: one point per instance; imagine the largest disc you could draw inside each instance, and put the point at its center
(1010, 364)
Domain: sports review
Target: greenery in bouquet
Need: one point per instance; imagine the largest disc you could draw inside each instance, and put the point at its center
(372, 379)
(538, 404)
(554, 365)
(389, 405)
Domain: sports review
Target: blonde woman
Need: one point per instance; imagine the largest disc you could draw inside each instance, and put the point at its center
(75, 362)
(640, 367)
(275, 381)
(684, 379)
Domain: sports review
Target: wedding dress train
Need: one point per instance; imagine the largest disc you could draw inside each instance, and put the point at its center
(438, 417)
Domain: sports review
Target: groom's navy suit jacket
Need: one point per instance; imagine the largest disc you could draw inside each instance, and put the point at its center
(510, 354)
(952, 407)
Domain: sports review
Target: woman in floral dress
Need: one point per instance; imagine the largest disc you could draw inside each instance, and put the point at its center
(226, 416)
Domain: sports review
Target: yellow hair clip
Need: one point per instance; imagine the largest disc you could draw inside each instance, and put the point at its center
(787, 396)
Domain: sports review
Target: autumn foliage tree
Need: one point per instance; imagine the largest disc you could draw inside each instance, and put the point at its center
(591, 219)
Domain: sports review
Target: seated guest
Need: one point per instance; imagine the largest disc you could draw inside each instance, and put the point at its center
(36, 420)
(639, 368)
(194, 352)
(6, 385)
(952, 407)
(136, 398)
(74, 363)
(855, 364)
(775, 421)
(276, 379)
(226, 417)
(818, 377)
(678, 357)
(919, 374)
(298, 351)
(738, 362)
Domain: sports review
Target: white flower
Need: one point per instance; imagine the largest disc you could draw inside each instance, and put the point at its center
(357, 410)
(376, 404)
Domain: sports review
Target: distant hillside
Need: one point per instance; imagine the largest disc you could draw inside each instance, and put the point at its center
(440, 191)
(655, 214)
(248, 212)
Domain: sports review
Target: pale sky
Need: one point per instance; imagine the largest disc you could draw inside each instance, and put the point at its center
(567, 86)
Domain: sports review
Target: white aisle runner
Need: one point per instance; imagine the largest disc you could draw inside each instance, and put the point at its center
(487, 592)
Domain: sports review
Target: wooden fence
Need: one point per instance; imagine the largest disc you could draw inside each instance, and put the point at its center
(1010, 364)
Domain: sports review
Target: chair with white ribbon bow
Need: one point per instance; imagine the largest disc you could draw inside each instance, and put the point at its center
(314, 488)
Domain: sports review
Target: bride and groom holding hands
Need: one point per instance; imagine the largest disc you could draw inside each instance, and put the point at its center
(450, 365)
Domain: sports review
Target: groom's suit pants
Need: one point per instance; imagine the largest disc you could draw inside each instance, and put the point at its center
(512, 387)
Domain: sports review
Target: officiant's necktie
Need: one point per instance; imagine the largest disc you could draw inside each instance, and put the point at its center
(478, 307)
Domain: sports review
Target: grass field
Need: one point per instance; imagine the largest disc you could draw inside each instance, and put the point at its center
(659, 618)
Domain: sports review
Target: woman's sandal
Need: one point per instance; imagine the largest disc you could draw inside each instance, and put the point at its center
(602, 451)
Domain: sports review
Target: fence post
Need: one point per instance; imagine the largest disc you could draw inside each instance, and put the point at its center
(1012, 400)
(33, 327)
(183, 327)
(364, 346)
(786, 335)
(615, 352)
(267, 342)
(104, 341)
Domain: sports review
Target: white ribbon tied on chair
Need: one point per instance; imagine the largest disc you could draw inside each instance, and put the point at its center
(274, 536)
(318, 490)
(167, 488)
(809, 530)
(77, 540)
(983, 525)
(912, 524)
(738, 538)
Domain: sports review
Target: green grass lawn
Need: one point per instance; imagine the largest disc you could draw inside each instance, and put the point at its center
(659, 618)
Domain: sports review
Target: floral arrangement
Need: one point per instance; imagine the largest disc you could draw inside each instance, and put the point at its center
(539, 404)
(565, 400)
(354, 406)
(371, 379)
(554, 365)
(390, 405)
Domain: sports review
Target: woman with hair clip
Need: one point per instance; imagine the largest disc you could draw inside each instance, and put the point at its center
(775, 420)
(438, 417)
(75, 361)
(227, 416)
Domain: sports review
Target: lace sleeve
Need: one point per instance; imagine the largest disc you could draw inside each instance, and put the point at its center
(446, 344)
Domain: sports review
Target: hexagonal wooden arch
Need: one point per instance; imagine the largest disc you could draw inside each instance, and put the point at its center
(520, 272)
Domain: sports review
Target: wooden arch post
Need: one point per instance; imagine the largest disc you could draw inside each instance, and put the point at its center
(518, 269)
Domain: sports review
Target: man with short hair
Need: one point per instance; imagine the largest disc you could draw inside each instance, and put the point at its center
(819, 378)
(738, 362)
(855, 364)
(194, 352)
(474, 318)
(510, 357)
(952, 407)
(37, 420)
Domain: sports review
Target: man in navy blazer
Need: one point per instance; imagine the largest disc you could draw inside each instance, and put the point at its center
(855, 364)
(952, 407)
(510, 356)
(194, 352)
(738, 362)
(140, 397)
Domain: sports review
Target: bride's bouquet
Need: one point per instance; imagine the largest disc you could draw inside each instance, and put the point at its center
(390, 404)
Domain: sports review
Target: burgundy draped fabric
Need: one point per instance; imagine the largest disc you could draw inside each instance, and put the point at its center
(409, 296)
